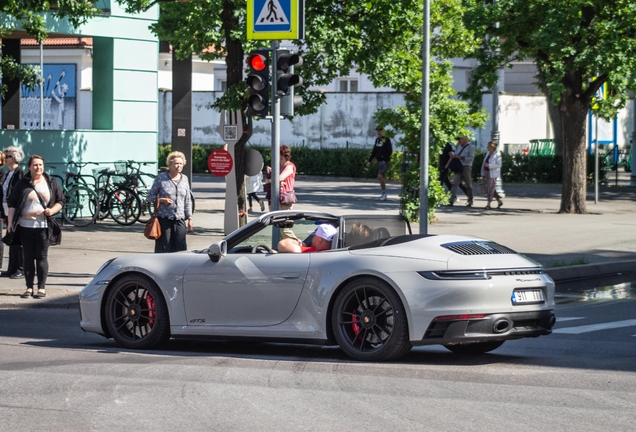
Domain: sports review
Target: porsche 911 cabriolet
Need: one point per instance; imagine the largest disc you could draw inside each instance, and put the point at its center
(376, 292)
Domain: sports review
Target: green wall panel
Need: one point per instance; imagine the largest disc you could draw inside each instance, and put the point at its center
(82, 145)
(103, 83)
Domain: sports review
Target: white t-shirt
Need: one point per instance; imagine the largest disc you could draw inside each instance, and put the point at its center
(32, 215)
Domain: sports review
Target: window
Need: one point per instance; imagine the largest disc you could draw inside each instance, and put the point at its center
(348, 85)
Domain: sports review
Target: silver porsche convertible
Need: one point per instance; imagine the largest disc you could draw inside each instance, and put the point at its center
(376, 293)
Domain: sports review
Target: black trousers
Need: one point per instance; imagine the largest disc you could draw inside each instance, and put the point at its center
(253, 195)
(173, 236)
(15, 256)
(35, 247)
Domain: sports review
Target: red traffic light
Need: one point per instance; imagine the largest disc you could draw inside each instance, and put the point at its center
(258, 62)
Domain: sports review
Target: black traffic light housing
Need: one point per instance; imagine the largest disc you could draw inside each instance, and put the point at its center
(286, 80)
(258, 83)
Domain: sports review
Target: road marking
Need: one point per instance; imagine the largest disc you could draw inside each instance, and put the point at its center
(596, 327)
(562, 319)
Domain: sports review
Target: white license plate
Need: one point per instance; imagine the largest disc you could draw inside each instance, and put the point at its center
(527, 296)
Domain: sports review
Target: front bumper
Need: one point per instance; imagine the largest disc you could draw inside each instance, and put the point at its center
(491, 327)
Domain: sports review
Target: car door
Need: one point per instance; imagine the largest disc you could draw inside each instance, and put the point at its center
(244, 289)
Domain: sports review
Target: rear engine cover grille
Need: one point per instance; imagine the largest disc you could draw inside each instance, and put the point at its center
(475, 247)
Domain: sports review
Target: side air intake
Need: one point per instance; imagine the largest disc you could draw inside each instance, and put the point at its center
(475, 247)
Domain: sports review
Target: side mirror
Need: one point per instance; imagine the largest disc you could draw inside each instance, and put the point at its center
(217, 250)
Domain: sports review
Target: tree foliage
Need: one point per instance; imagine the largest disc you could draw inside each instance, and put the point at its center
(577, 45)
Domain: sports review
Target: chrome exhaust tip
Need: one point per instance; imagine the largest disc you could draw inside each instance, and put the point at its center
(501, 326)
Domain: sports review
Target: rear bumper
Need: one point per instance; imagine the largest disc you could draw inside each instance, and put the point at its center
(493, 327)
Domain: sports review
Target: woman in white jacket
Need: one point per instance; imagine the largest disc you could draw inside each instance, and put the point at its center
(490, 170)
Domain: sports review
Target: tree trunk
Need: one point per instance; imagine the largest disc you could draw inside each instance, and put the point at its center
(573, 119)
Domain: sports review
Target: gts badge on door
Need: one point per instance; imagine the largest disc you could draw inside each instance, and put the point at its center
(197, 321)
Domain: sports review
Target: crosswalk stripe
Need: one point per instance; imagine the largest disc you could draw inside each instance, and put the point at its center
(596, 327)
(563, 319)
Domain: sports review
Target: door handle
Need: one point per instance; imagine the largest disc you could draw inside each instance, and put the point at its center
(288, 276)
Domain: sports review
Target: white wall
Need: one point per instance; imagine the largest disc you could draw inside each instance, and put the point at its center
(346, 119)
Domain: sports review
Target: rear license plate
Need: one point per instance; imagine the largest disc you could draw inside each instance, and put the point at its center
(527, 296)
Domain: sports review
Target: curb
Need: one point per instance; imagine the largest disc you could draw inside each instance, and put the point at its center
(592, 271)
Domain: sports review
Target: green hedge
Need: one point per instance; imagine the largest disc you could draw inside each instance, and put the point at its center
(333, 162)
(350, 162)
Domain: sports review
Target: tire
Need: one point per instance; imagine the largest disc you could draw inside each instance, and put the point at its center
(474, 348)
(81, 206)
(369, 321)
(147, 208)
(136, 314)
(124, 206)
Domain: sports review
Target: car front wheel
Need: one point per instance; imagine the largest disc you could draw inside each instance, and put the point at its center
(369, 321)
(136, 313)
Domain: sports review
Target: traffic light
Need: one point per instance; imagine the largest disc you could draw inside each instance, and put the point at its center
(258, 83)
(286, 80)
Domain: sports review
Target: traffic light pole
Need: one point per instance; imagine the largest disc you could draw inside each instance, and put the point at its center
(275, 142)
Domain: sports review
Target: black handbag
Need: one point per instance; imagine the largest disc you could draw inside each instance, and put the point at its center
(456, 166)
(12, 238)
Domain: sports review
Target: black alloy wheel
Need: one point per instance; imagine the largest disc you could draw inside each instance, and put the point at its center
(136, 313)
(369, 321)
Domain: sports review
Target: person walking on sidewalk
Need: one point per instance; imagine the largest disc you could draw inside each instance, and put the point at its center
(382, 151)
(253, 185)
(12, 158)
(490, 170)
(32, 202)
(172, 189)
(465, 153)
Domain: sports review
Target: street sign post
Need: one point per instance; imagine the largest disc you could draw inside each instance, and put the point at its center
(231, 129)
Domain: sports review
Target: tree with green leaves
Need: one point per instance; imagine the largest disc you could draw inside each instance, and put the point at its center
(29, 16)
(577, 45)
(382, 39)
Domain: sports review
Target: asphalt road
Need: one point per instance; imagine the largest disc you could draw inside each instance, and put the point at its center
(582, 377)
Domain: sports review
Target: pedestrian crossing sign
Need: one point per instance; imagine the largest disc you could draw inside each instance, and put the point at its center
(275, 19)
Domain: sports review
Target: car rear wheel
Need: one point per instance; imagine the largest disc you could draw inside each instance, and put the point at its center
(474, 348)
(136, 314)
(369, 321)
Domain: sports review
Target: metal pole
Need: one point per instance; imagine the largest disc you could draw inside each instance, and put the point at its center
(424, 137)
(41, 85)
(275, 142)
(494, 133)
(632, 178)
(596, 170)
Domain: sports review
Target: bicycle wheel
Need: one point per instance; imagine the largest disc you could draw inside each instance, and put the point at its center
(124, 206)
(81, 206)
(147, 208)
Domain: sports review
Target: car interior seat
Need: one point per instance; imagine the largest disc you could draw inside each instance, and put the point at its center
(380, 233)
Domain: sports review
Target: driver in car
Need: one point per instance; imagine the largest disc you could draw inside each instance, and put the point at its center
(321, 240)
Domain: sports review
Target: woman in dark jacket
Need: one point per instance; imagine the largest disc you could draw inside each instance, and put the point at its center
(33, 201)
(12, 158)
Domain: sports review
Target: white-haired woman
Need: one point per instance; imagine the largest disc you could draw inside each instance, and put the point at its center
(175, 206)
(490, 171)
(12, 158)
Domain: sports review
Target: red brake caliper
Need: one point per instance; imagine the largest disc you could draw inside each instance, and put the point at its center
(356, 327)
(151, 309)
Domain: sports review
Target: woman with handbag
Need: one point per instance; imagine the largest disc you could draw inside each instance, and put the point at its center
(33, 202)
(287, 176)
(490, 170)
(171, 190)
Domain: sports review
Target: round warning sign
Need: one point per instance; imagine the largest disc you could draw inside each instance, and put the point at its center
(220, 163)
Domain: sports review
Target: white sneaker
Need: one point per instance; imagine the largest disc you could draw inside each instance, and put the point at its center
(383, 196)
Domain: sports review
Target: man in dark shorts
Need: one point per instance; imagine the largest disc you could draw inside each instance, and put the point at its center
(382, 153)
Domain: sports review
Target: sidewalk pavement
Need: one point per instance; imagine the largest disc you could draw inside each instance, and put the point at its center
(601, 243)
